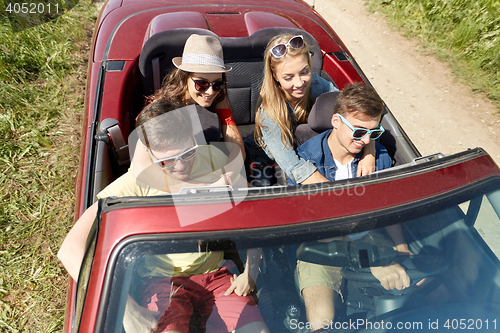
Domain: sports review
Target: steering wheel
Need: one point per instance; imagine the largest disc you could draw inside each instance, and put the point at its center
(357, 257)
(417, 267)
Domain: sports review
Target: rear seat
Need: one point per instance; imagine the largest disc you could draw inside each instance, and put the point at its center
(244, 55)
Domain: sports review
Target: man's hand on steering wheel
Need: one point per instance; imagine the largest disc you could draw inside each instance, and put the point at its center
(403, 249)
(391, 277)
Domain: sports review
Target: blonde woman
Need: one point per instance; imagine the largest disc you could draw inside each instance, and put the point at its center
(288, 91)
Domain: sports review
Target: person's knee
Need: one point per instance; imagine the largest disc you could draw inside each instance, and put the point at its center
(255, 327)
(315, 294)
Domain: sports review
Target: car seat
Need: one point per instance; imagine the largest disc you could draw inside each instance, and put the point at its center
(244, 55)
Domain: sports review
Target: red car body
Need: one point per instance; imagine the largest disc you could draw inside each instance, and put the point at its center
(121, 31)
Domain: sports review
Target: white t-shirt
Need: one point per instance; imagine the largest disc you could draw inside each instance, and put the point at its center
(345, 172)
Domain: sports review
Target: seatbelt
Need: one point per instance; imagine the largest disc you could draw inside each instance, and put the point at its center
(156, 73)
(119, 144)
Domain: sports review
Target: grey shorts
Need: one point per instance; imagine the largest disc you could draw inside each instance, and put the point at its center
(311, 275)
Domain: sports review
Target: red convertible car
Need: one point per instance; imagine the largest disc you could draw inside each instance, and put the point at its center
(448, 207)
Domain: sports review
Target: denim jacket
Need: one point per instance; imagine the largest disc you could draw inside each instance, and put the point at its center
(317, 151)
(297, 169)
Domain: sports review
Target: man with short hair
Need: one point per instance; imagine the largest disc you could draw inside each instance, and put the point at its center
(174, 160)
(336, 153)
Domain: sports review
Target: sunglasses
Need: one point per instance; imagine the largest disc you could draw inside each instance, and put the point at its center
(169, 162)
(279, 50)
(202, 85)
(360, 133)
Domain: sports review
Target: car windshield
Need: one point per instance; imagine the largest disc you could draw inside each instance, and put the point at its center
(451, 262)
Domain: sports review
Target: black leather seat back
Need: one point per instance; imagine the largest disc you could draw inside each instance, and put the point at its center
(319, 120)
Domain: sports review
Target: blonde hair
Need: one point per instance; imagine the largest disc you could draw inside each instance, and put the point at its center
(273, 99)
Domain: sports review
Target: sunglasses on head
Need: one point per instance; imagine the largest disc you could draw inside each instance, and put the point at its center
(360, 133)
(279, 50)
(203, 85)
(169, 162)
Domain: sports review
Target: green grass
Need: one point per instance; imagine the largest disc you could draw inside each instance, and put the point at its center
(464, 33)
(42, 75)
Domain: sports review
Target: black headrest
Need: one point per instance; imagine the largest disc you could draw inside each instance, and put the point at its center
(320, 117)
(246, 56)
(165, 45)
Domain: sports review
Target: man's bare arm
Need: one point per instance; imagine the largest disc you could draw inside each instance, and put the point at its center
(73, 247)
(244, 283)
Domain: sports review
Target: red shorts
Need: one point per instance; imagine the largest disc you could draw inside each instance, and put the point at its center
(182, 298)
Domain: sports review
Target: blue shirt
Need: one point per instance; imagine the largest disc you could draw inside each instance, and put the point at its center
(317, 151)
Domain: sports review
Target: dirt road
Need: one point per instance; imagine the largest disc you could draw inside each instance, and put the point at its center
(438, 113)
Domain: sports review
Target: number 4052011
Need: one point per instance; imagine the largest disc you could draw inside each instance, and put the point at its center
(32, 8)
(470, 324)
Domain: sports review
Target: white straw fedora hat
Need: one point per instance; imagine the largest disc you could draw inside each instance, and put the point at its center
(202, 54)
